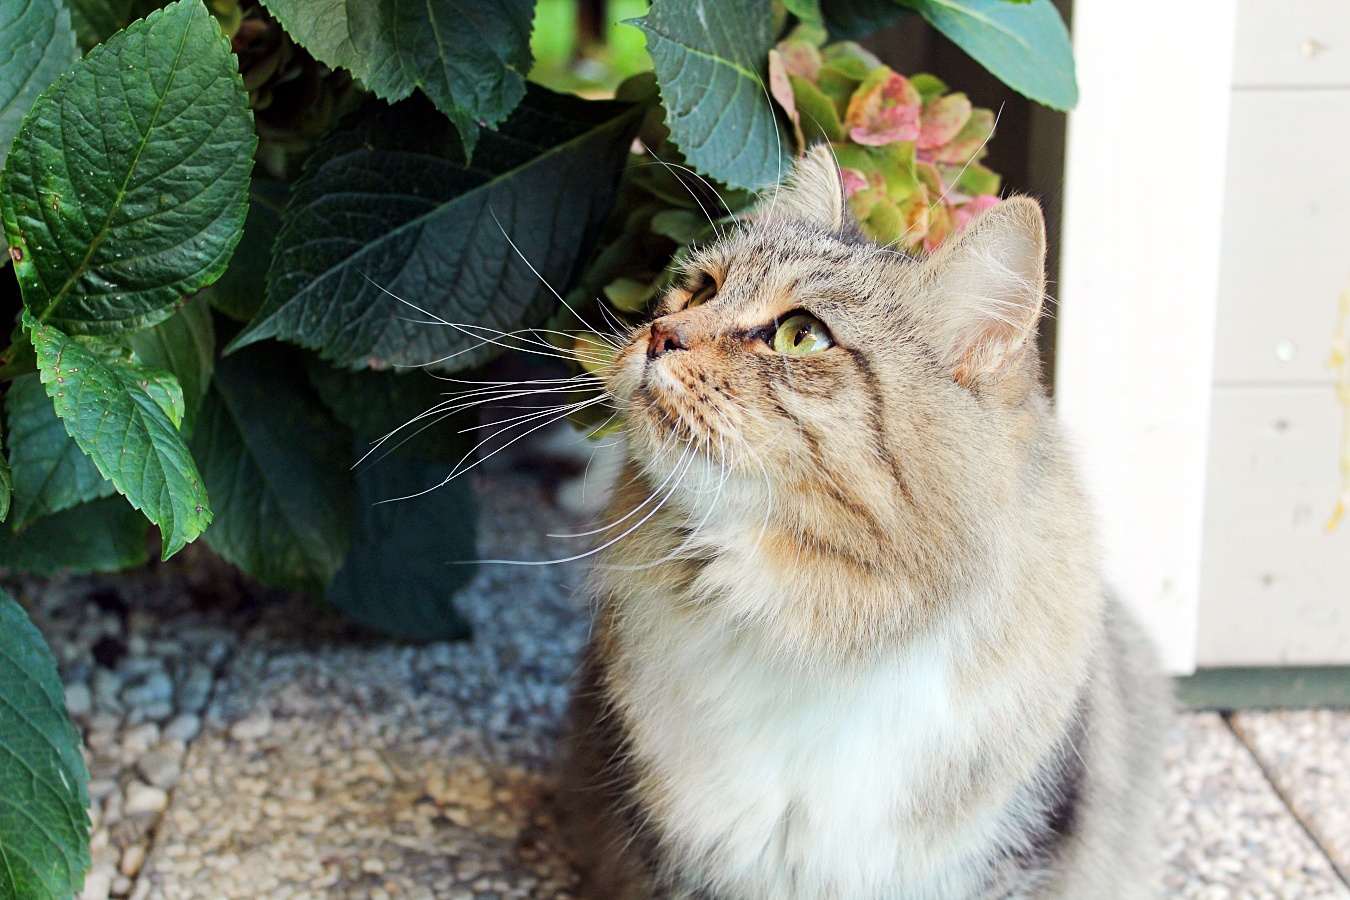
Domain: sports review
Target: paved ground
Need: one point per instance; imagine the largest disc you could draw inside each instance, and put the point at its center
(243, 744)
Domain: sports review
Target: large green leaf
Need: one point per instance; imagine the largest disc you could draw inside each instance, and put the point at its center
(6, 486)
(37, 44)
(411, 551)
(469, 58)
(1025, 45)
(710, 58)
(51, 472)
(240, 291)
(398, 405)
(125, 189)
(44, 830)
(102, 536)
(126, 417)
(388, 210)
(184, 345)
(279, 469)
(97, 20)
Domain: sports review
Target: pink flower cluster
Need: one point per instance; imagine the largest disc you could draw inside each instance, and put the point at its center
(909, 150)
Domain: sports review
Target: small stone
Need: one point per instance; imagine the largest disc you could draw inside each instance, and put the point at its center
(184, 727)
(196, 689)
(98, 883)
(156, 689)
(121, 886)
(101, 787)
(374, 864)
(79, 700)
(132, 859)
(255, 726)
(142, 798)
(137, 741)
(160, 769)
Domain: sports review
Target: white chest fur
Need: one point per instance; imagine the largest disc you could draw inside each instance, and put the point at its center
(773, 783)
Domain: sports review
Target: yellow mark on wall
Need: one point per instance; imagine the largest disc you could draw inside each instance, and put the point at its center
(1340, 364)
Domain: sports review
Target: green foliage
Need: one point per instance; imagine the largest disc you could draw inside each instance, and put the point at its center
(393, 251)
(50, 471)
(112, 220)
(126, 417)
(279, 465)
(395, 48)
(37, 45)
(711, 61)
(101, 536)
(412, 548)
(1025, 44)
(44, 832)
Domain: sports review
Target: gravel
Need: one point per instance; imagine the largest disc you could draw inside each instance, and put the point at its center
(244, 743)
(1307, 753)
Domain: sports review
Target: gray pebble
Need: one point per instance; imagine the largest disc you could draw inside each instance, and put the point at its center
(255, 726)
(156, 689)
(79, 700)
(183, 727)
(160, 769)
(143, 798)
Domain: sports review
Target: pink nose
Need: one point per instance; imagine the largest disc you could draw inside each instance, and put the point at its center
(665, 337)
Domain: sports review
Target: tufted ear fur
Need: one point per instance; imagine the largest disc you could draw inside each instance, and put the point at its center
(986, 287)
(813, 193)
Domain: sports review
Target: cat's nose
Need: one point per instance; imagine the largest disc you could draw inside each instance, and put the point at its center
(664, 338)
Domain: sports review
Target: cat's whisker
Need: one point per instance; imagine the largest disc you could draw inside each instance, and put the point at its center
(634, 511)
(672, 167)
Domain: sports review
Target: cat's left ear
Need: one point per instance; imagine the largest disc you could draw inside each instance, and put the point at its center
(987, 286)
(814, 193)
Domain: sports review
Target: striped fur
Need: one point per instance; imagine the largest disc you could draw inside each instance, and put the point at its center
(853, 642)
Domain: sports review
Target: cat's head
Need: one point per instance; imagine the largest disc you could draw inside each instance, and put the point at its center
(866, 402)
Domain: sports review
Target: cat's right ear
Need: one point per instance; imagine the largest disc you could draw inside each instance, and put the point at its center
(814, 193)
(986, 287)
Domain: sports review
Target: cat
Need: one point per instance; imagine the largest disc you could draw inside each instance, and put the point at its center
(851, 640)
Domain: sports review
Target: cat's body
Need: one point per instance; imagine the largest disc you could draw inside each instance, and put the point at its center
(855, 644)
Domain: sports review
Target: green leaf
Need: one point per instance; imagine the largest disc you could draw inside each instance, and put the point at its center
(240, 291)
(102, 536)
(279, 468)
(44, 830)
(470, 59)
(806, 11)
(126, 417)
(387, 209)
(409, 553)
(6, 486)
(853, 20)
(125, 189)
(377, 404)
(37, 44)
(1025, 45)
(710, 59)
(184, 345)
(51, 472)
(97, 20)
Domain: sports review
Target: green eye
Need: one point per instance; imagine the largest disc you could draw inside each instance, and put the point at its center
(800, 334)
(703, 294)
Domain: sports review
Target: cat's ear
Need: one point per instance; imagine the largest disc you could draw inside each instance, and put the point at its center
(813, 193)
(987, 285)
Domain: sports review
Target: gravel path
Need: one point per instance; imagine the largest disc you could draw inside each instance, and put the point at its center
(244, 743)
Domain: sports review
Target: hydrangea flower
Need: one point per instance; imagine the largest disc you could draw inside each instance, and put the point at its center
(908, 149)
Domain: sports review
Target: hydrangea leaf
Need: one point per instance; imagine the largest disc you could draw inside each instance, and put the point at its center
(388, 209)
(470, 59)
(126, 417)
(240, 291)
(97, 20)
(101, 536)
(44, 830)
(184, 345)
(279, 467)
(125, 188)
(710, 58)
(398, 405)
(852, 20)
(50, 471)
(1025, 45)
(37, 44)
(409, 553)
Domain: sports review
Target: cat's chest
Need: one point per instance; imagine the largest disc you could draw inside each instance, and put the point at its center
(791, 785)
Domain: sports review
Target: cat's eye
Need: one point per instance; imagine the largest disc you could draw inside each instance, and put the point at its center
(802, 333)
(705, 292)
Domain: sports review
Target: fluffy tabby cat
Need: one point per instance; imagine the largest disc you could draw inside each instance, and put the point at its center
(857, 645)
